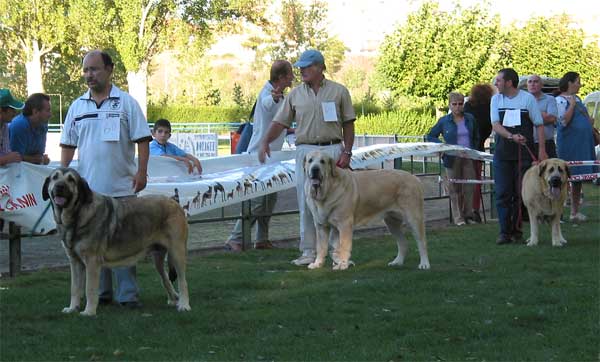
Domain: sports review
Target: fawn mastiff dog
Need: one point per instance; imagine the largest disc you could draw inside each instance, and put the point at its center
(340, 199)
(544, 192)
(100, 231)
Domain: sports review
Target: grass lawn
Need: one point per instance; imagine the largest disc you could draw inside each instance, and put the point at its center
(478, 302)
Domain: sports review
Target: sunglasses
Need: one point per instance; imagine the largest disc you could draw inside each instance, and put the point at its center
(456, 104)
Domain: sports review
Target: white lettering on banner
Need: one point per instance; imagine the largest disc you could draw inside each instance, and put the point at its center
(197, 144)
(226, 181)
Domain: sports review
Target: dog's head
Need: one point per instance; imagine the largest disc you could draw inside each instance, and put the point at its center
(555, 174)
(318, 169)
(65, 188)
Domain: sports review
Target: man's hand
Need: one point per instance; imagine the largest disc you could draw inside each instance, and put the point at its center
(139, 181)
(190, 166)
(343, 161)
(519, 138)
(45, 159)
(263, 152)
(198, 165)
(12, 157)
(277, 93)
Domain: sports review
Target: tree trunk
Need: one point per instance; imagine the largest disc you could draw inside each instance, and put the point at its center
(138, 84)
(33, 66)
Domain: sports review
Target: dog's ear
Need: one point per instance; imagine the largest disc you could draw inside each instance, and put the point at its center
(567, 170)
(86, 194)
(542, 168)
(45, 194)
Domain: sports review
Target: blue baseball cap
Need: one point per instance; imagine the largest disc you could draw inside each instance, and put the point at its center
(310, 57)
(7, 100)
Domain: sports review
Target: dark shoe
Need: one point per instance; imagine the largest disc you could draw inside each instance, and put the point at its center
(131, 305)
(104, 301)
(503, 239)
(476, 217)
(233, 246)
(263, 245)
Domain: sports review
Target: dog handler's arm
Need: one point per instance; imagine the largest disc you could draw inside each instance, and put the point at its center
(66, 156)
(274, 131)
(348, 130)
(141, 177)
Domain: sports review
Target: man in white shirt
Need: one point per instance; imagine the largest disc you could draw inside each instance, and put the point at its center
(268, 103)
(105, 124)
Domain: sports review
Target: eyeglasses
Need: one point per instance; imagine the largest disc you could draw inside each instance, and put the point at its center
(456, 104)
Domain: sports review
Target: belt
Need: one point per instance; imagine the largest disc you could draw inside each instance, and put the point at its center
(328, 143)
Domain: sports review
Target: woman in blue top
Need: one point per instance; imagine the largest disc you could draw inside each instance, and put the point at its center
(458, 128)
(574, 136)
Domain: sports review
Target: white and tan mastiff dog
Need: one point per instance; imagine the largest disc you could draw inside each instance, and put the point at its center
(340, 199)
(100, 231)
(544, 192)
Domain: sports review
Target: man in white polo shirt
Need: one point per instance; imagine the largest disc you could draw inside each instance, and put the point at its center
(105, 124)
(325, 119)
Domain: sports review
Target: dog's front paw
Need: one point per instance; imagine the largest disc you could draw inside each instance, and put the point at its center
(69, 310)
(559, 242)
(342, 265)
(396, 262)
(183, 308)
(88, 313)
(424, 265)
(532, 242)
(315, 265)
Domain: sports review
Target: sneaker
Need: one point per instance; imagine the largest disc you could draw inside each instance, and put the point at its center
(307, 257)
(476, 217)
(503, 239)
(263, 245)
(460, 223)
(233, 245)
(579, 217)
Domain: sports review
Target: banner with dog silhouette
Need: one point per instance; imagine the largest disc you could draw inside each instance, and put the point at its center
(225, 180)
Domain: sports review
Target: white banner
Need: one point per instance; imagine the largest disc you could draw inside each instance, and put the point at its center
(225, 180)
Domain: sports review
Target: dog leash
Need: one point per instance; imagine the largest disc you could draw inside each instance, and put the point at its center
(40, 219)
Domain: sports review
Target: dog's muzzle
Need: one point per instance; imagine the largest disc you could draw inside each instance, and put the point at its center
(315, 177)
(59, 194)
(555, 184)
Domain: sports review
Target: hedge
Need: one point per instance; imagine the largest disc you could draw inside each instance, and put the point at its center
(197, 114)
(411, 122)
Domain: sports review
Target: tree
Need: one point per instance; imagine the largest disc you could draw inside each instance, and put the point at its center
(300, 28)
(436, 52)
(38, 28)
(561, 49)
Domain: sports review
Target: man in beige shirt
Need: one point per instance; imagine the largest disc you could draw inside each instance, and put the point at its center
(322, 110)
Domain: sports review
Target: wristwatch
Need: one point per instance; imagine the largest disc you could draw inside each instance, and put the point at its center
(349, 153)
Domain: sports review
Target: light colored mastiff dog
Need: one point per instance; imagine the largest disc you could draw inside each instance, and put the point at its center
(340, 199)
(544, 191)
(100, 231)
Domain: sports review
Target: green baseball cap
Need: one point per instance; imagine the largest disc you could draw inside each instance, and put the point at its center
(7, 100)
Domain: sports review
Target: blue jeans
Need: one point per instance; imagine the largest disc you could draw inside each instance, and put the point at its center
(127, 289)
(508, 194)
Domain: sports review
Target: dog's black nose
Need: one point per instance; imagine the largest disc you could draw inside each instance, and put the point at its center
(555, 181)
(315, 172)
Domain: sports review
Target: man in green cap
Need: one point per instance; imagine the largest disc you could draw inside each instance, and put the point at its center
(8, 110)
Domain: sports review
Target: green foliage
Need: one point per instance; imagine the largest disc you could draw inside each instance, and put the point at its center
(405, 122)
(301, 27)
(560, 50)
(197, 114)
(436, 52)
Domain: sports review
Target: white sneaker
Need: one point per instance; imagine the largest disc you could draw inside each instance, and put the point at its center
(579, 217)
(307, 257)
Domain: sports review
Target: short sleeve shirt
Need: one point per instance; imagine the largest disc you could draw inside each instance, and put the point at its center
(107, 165)
(547, 103)
(169, 149)
(523, 101)
(306, 108)
(4, 141)
(25, 139)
